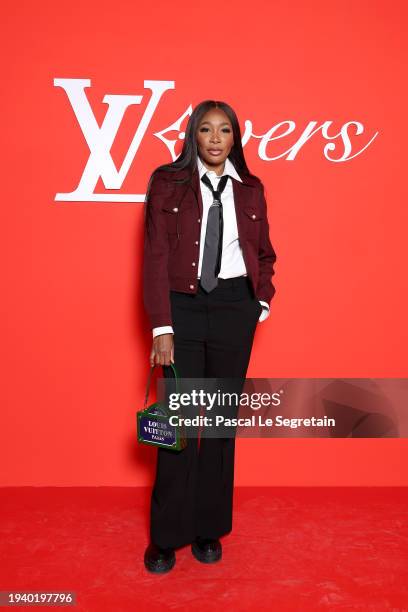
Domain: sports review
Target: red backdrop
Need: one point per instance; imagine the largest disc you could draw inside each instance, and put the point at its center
(75, 337)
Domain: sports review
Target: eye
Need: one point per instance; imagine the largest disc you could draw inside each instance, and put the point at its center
(226, 130)
(203, 129)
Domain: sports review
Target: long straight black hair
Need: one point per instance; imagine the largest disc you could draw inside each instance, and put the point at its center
(187, 160)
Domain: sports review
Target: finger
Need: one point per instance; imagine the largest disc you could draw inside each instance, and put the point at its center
(166, 357)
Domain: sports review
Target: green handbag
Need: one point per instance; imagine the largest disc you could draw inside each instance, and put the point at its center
(153, 426)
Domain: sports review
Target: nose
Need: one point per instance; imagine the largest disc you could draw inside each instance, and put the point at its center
(215, 138)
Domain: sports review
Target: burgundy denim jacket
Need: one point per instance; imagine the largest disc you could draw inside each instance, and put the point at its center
(172, 217)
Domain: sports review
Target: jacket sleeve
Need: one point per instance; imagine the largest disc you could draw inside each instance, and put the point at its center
(266, 257)
(156, 290)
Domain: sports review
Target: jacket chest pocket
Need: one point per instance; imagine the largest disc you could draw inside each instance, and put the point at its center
(178, 218)
(253, 220)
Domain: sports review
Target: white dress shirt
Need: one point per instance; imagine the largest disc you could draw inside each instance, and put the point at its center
(232, 261)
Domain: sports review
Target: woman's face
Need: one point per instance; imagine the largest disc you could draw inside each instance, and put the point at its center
(214, 137)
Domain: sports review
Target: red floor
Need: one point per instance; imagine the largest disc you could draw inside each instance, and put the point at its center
(290, 549)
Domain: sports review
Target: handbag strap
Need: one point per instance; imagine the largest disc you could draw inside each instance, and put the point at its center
(150, 378)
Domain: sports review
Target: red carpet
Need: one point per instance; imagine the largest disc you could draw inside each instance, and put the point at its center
(290, 549)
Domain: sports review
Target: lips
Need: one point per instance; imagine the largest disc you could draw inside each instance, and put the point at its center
(215, 151)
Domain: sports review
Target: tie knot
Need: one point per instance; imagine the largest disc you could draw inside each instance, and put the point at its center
(221, 185)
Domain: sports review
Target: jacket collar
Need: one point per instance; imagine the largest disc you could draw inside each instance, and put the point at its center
(240, 185)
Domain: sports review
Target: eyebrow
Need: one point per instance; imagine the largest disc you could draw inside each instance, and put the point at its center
(224, 123)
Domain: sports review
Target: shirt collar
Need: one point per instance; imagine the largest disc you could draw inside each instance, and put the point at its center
(229, 168)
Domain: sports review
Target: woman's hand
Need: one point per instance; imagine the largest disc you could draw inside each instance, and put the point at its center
(162, 352)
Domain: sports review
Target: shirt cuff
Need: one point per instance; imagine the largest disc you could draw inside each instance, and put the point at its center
(265, 311)
(164, 329)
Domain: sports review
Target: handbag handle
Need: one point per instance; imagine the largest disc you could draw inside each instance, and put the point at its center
(150, 378)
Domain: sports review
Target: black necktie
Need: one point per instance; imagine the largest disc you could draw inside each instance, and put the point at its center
(212, 254)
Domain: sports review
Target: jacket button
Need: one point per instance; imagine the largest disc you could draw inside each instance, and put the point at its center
(191, 286)
(175, 209)
(254, 216)
(196, 242)
(193, 264)
(199, 220)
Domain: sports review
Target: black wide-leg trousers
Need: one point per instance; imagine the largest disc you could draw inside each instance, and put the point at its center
(193, 489)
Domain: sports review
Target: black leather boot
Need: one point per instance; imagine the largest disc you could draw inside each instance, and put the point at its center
(206, 550)
(159, 560)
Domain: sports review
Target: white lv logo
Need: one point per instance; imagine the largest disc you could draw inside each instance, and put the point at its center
(100, 139)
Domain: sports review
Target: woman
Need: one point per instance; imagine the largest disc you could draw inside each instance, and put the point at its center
(208, 263)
